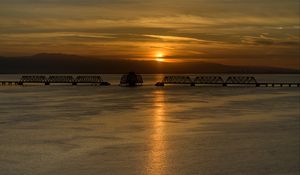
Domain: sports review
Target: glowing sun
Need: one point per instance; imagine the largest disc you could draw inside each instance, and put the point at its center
(159, 57)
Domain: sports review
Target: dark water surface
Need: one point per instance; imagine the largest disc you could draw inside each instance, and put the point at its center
(79, 130)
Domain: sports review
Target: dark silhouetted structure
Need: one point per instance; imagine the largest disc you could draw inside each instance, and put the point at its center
(217, 80)
(175, 80)
(209, 80)
(33, 79)
(96, 80)
(131, 79)
(241, 80)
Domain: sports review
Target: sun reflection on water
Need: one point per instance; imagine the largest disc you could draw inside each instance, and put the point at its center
(157, 142)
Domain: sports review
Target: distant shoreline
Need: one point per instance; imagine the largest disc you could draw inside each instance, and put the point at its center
(150, 73)
(72, 64)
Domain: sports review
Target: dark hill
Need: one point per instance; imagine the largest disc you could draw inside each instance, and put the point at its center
(61, 63)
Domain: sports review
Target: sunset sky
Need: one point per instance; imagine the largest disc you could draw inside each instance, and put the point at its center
(236, 32)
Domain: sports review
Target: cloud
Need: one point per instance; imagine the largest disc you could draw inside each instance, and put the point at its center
(185, 29)
(265, 39)
(174, 38)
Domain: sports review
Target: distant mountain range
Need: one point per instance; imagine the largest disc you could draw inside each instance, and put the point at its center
(69, 64)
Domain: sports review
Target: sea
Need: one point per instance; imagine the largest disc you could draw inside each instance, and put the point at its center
(149, 130)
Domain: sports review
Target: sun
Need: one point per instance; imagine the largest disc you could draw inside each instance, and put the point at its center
(159, 57)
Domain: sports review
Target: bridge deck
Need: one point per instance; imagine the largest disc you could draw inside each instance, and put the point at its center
(172, 80)
(228, 84)
(56, 80)
(217, 80)
(264, 84)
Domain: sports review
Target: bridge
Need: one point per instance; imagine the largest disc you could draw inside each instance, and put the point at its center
(175, 80)
(96, 80)
(138, 80)
(131, 79)
(208, 80)
(188, 81)
(217, 80)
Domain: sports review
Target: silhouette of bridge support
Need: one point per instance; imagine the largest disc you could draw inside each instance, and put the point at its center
(88, 80)
(176, 80)
(33, 79)
(209, 80)
(61, 79)
(217, 80)
(137, 80)
(241, 80)
(131, 80)
(58, 80)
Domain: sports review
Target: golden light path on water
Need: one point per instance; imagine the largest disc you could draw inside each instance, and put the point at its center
(157, 143)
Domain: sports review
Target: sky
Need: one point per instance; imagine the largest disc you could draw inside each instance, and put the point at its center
(235, 32)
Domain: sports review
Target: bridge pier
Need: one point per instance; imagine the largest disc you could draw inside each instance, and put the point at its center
(224, 84)
(160, 84)
(74, 83)
(193, 84)
(105, 84)
(47, 83)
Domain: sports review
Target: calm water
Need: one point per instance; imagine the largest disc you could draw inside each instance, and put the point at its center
(90, 130)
